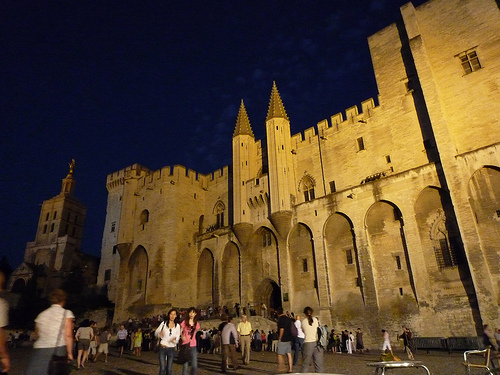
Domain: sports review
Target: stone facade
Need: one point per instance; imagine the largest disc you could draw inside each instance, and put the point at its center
(382, 216)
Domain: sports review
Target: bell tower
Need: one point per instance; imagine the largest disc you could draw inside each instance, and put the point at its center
(60, 227)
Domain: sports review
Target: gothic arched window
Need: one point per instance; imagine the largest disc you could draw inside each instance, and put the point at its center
(308, 188)
(219, 213)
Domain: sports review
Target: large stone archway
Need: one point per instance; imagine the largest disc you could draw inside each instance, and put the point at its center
(391, 266)
(484, 198)
(205, 279)
(343, 267)
(230, 275)
(259, 262)
(303, 273)
(268, 292)
(138, 271)
(450, 292)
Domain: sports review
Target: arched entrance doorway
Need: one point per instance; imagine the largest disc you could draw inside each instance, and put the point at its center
(268, 293)
(18, 286)
(137, 279)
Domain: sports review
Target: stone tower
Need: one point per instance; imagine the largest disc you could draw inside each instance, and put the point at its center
(281, 169)
(245, 167)
(58, 238)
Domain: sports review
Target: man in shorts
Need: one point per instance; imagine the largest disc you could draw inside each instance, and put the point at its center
(103, 340)
(285, 339)
(121, 339)
(93, 341)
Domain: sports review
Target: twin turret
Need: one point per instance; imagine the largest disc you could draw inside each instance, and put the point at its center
(248, 163)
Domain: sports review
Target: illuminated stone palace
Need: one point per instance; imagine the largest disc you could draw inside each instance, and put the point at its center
(384, 215)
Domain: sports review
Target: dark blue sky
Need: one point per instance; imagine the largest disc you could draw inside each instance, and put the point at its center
(112, 83)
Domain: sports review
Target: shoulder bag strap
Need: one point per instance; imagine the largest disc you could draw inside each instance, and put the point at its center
(60, 331)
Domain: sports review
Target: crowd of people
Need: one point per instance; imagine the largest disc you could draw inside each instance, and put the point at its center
(298, 340)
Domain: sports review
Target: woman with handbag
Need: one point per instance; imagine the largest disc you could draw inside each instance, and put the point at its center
(53, 349)
(189, 327)
(168, 334)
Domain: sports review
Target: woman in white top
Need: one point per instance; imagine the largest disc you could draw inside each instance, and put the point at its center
(169, 333)
(310, 349)
(54, 328)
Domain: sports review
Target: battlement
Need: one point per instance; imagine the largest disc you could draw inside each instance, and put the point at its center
(171, 174)
(115, 179)
(134, 170)
(337, 122)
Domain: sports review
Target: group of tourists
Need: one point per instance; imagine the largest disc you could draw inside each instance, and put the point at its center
(298, 340)
(345, 342)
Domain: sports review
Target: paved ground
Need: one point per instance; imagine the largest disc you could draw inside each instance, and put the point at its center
(439, 363)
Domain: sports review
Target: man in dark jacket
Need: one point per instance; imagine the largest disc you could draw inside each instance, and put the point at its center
(285, 339)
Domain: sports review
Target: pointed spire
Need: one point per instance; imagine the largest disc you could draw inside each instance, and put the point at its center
(276, 107)
(242, 122)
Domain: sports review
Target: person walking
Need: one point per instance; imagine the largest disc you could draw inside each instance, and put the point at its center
(299, 340)
(285, 339)
(169, 333)
(103, 339)
(245, 337)
(311, 351)
(83, 335)
(93, 341)
(121, 339)
(54, 327)
(229, 344)
(138, 342)
(387, 342)
(406, 337)
(189, 327)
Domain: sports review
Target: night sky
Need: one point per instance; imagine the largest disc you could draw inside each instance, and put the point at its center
(112, 83)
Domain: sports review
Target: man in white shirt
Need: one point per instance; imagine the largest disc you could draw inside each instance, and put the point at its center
(245, 332)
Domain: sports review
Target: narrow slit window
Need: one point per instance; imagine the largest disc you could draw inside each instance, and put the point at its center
(398, 262)
(348, 254)
(361, 143)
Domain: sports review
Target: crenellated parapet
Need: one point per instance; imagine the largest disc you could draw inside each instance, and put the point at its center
(176, 174)
(336, 123)
(115, 179)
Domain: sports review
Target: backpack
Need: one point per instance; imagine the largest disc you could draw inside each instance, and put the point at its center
(322, 337)
(293, 329)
